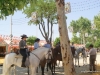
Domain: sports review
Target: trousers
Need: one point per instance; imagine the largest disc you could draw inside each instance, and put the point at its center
(24, 54)
(92, 62)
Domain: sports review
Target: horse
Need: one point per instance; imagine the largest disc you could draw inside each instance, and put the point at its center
(56, 56)
(77, 53)
(35, 57)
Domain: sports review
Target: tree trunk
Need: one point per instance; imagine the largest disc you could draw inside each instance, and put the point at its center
(65, 47)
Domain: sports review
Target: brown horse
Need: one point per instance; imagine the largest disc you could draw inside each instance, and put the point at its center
(56, 56)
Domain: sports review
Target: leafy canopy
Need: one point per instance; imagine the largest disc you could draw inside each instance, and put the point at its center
(97, 43)
(97, 21)
(44, 9)
(30, 40)
(57, 40)
(7, 7)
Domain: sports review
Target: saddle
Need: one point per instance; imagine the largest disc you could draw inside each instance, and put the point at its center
(18, 55)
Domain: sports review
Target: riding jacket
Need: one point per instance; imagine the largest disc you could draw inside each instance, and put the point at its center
(22, 44)
(36, 45)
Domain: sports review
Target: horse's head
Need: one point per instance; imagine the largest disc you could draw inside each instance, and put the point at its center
(48, 55)
(83, 50)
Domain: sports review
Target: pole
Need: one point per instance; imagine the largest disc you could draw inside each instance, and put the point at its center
(11, 35)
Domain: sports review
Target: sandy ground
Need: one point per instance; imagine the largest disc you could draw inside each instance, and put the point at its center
(82, 70)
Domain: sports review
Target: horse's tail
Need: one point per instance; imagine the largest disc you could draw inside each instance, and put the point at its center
(4, 66)
(6, 69)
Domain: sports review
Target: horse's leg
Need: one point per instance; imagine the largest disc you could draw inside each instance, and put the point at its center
(42, 68)
(54, 67)
(37, 70)
(78, 62)
(14, 68)
(47, 66)
(33, 70)
(28, 70)
(75, 61)
(6, 68)
(51, 67)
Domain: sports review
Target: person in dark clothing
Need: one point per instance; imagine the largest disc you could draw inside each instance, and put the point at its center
(23, 47)
(92, 58)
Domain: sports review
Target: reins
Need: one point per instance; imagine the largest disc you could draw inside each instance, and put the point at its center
(35, 55)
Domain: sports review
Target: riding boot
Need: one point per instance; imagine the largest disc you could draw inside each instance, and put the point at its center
(23, 64)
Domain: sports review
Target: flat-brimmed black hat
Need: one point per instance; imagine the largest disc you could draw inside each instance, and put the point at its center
(24, 36)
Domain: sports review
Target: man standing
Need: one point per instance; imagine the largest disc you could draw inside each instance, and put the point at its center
(92, 58)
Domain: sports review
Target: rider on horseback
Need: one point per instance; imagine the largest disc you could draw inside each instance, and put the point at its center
(23, 47)
(36, 44)
(47, 45)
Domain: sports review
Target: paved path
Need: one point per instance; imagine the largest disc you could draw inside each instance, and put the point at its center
(59, 70)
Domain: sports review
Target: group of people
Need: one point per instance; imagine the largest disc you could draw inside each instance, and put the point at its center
(92, 52)
(23, 47)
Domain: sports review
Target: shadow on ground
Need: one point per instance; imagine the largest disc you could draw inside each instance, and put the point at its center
(90, 73)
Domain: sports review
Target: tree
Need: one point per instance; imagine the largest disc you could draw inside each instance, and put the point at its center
(65, 47)
(31, 40)
(64, 40)
(97, 21)
(88, 44)
(56, 41)
(46, 12)
(76, 39)
(7, 7)
(97, 43)
(82, 26)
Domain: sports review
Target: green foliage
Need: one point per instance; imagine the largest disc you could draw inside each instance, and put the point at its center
(57, 40)
(31, 40)
(7, 7)
(97, 43)
(97, 21)
(46, 16)
(44, 9)
(81, 26)
(76, 39)
(88, 44)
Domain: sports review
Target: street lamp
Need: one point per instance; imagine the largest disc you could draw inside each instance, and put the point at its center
(70, 28)
(11, 44)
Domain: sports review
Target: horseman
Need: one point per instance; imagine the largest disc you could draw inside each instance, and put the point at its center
(36, 44)
(47, 45)
(23, 47)
(72, 48)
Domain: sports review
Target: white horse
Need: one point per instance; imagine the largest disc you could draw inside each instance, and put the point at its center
(77, 53)
(34, 59)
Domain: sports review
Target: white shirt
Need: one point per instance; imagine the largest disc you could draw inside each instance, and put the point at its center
(92, 51)
(36, 45)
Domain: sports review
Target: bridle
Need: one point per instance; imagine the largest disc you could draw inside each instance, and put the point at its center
(36, 56)
(49, 55)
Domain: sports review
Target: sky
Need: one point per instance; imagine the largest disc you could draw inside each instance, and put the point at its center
(85, 8)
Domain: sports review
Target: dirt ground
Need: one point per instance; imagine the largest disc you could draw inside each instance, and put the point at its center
(83, 70)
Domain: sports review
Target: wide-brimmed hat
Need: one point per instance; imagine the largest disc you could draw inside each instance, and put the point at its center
(24, 36)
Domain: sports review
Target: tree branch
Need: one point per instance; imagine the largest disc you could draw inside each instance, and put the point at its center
(48, 25)
(51, 32)
(41, 31)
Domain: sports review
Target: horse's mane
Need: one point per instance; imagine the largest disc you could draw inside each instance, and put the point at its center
(57, 49)
(40, 49)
